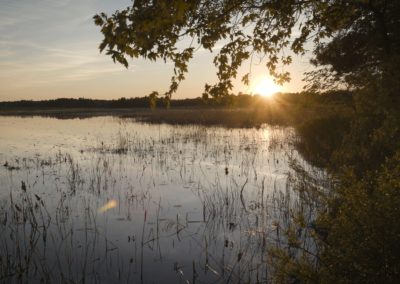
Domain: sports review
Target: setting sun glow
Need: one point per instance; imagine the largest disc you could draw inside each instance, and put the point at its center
(266, 88)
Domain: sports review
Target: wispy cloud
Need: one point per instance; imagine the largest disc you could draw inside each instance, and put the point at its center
(46, 42)
(52, 65)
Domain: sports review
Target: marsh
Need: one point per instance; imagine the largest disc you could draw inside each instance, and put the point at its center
(108, 199)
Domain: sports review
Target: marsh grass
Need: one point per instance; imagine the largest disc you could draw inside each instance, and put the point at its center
(195, 204)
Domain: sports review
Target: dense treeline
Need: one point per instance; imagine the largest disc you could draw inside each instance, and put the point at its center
(61, 103)
(240, 100)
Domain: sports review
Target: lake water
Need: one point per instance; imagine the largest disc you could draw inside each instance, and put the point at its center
(107, 200)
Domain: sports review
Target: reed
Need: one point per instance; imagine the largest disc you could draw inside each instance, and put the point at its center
(198, 204)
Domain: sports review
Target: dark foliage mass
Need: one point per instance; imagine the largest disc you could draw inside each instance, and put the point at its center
(351, 39)
(143, 102)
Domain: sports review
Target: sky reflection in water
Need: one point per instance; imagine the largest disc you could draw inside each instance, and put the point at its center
(127, 201)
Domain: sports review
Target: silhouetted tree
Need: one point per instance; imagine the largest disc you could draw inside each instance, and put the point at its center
(351, 37)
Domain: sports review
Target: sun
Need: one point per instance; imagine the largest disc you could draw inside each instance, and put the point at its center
(266, 88)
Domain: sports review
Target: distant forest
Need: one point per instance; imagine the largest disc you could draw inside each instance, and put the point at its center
(240, 100)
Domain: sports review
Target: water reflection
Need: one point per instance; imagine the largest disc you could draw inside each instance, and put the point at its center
(184, 203)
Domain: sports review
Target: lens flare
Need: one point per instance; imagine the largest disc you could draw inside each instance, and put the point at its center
(109, 205)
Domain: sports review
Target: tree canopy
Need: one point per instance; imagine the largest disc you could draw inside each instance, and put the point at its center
(349, 37)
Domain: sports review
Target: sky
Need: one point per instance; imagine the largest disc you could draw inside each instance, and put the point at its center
(49, 49)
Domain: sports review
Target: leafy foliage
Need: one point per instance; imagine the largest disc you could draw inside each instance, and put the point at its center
(362, 32)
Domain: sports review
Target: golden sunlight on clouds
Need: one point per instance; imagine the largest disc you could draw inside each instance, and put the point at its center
(109, 205)
(265, 87)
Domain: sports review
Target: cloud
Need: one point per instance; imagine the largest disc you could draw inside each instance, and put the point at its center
(46, 42)
(37, 64)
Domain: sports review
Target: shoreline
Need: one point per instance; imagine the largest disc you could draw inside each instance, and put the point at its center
(284, 115)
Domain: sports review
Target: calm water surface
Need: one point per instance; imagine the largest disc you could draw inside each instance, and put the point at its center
(107, 200)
